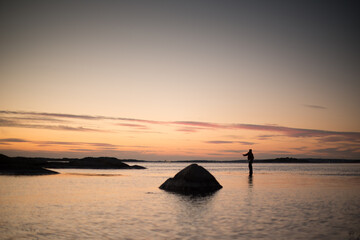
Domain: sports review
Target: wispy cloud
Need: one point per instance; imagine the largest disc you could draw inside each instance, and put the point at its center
(136, 126)
(187, 129)
(75, 116)
(24, 119)
(197, 124)
(219, 142)
(339, 152)
(280, 152)
(315, 106)
(102, 144)
(299, 148)
(44, 143)
(287, 131)
(75, 146)
(330, 139)
(297, 132)
(246, 143)
(57, 115)
(229, 142)
(19, 124)
(58, 143)
(234, 151)
(68, 128)
(82, 150)
(36, 119)
(185, 126)
(12, 140)
(267, 136)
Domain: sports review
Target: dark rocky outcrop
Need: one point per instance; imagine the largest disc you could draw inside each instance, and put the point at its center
(37, 166)
(19, 166)
(25, 170)
(91, 163)
(193, 179)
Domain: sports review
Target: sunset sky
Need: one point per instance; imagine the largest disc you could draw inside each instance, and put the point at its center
(173, 80)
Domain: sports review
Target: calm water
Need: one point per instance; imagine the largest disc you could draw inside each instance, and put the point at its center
(281, 201)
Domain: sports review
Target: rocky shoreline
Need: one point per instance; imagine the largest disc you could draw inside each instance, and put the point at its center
(39, 166)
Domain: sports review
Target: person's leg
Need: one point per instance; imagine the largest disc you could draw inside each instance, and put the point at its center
(250, 169)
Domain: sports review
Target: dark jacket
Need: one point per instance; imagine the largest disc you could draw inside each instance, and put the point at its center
(250, 156)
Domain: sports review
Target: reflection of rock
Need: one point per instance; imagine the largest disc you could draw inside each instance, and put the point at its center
(192, 179)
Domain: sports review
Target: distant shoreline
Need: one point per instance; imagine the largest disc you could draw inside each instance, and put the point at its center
(276, 160)
(115, 162)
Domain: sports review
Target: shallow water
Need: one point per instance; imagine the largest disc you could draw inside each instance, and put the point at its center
(281, 201)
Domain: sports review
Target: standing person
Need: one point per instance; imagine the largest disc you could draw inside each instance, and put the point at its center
(250, 156)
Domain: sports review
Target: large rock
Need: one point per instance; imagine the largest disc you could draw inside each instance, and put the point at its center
(91, 163)
(37, 166)
(192, 180)
(18, 166)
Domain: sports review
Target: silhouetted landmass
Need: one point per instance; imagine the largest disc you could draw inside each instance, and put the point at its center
(136, 160)
(11, 166)
(193, 179)
(37, 166)
(275, 160)
(90, 163)
(306, 160)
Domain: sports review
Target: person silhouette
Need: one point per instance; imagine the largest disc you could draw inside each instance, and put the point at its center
(250, 156)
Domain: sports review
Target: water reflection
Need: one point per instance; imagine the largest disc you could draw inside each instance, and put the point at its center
(193, 206)
(193, 214)
(199, 201)
(250, 181)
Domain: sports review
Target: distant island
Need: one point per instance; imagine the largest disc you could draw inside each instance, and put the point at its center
(39, 166)
(275, 160)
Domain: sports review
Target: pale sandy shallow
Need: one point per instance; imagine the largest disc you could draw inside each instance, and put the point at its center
(281, 201)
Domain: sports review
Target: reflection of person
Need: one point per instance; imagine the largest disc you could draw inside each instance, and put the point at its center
(250, 156)
(250, 181)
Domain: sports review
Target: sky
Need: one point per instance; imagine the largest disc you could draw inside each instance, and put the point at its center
(176, 80)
